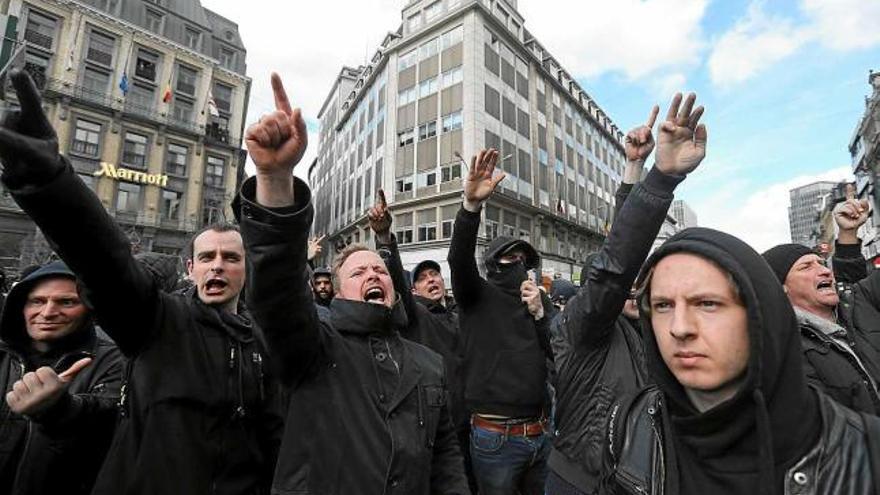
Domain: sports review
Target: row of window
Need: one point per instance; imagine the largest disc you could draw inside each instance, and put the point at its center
(86, 142)
(451, 122)
(430, 48)
(431, 12)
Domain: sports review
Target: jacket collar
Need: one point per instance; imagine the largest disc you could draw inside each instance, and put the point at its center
(359, 317)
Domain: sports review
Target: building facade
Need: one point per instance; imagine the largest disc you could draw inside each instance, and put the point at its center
(806, 203)
(684, 215)
(148, 99)
(865, 151)
(458, 76)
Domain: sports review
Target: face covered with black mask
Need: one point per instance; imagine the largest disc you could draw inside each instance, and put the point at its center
(509, 276)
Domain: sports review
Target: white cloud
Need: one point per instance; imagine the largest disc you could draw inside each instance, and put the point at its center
(635, 37)
(759, 217)
(758, 40)
(753, 44)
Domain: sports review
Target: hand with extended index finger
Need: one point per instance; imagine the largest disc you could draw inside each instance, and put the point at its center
(28, 143)
(681, 142)
(278, 141)
(39, 390)
(315, 247)
(379, 216)
(480, 183)
(639, 141)
(852, 213)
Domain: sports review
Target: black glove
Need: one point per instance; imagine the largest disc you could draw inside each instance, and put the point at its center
(28, 143)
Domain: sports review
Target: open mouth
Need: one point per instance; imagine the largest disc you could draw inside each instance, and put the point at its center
(375, 295)
(434, 290)
(825, 286)
(215, 286)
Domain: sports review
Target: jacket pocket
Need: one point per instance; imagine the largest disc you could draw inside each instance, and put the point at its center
(432, 398)
(485, 441)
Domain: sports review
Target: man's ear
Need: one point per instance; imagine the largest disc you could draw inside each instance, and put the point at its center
(189, 269)
(785, 288)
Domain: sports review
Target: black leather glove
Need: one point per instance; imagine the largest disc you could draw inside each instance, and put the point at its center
(28, 143)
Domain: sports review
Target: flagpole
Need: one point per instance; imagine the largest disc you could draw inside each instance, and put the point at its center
(70, 55)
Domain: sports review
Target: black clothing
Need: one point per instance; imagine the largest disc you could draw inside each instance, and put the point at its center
(859, 308)
(198, 413)
(62, 449)
(368, 408)
(782, 257)
(750, 442)
(505, 348)
(599, 354)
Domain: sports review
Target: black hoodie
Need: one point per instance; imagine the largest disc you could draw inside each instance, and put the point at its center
(505, 348)
(746, 444)
(61, 450)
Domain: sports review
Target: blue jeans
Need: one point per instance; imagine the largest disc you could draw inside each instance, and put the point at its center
(509, 465)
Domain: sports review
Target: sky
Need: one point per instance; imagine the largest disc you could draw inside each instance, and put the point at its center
(783, 81)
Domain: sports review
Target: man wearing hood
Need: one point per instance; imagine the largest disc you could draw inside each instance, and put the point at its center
(504, 323)
(322, 286)
(433, 316)
(841, 355)
(368, 410)
(198, 414)
(732, 411)
(597, 346)
(61, 385)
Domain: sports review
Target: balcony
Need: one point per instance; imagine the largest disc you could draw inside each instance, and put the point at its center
(38, 38)
(223, 105)
(183, 124)
(38, 73)
(99, 56)
(216, 134)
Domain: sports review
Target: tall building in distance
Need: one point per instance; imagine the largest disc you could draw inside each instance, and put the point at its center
(148, 99)
(684, 216)
(458, 76)
(804, 208)
(865, 150)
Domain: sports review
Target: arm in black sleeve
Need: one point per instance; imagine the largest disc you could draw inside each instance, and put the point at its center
(620, 197)
(391, 255)
(465, 275)
(277, 290)
(124, 294)
(848, 263)
(590, 316)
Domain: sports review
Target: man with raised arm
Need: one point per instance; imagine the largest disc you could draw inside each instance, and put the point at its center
(368, 409)
(504, 323)
(198, 413)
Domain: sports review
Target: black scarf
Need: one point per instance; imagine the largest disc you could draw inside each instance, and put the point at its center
(746, 444)
(508, 277)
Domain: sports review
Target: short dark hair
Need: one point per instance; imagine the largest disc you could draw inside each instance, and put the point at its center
(643, 293)
(342, 256)
(214, 227)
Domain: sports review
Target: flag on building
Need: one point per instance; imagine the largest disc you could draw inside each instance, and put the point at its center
(212, 105)
(166, 96)
(123, 83)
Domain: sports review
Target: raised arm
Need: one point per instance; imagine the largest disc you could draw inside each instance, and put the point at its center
(478, 186)
(639, 144)
(276, 214)
(386, 244)
(848, 262)
(43, 183)
(590, 316)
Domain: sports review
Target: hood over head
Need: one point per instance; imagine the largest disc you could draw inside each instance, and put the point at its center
(12, 325)
(562, 290)
(774, 418)
(503, 244)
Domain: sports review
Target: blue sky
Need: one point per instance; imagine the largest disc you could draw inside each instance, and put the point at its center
(783, 81)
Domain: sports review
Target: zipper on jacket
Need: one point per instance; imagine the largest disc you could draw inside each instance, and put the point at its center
(240, 410)
(258, 361)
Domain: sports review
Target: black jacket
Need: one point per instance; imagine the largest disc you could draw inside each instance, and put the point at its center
(368, 408)
(198, 413)
(505, 368)
(599, 354)
(859, 308)
(432, 324)
(62, 449)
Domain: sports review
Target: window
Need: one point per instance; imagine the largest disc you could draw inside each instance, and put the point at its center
(450, 172)
(86, 138)
(37, 65)
(451, 77)
(128, 197)
(212, 210)
(448, 219)
(40, 29)
(107, 5)
(493, 105)
(406, 137)
(509, 115)
(227, 58)
(429, 49)
(145, 66)
(408, 60)
(88, 179)
(433, 10)
(183, 110)
(426, 179)
(187, 80)
(414, 21)
(96, 81)
(134, 150)
(404, 184)
(169, 209)
(214, 171)
(175, 160)
(153, 21)
(192, 38)
(453, 37)
(427, 87)
(222, 97)
(492, 217)
(141, 97)
(101, 48)
(452, 122)
(427, 130)
(406, 96)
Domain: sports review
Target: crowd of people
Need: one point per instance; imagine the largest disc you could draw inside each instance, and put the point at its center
(703, 367)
